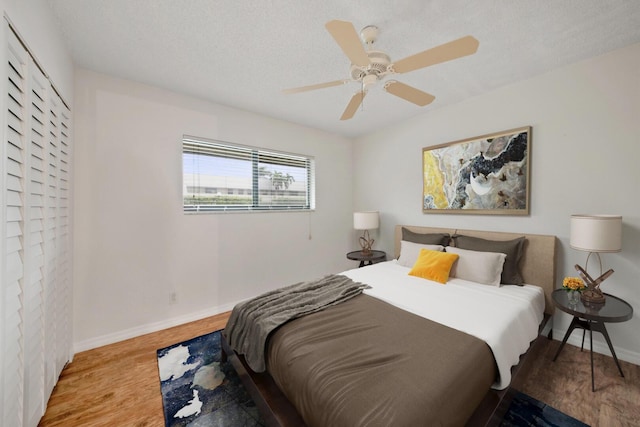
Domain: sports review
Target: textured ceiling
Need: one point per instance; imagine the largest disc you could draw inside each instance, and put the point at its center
(243, 53)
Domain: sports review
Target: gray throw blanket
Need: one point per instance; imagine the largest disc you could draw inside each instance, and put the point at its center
(252, 321)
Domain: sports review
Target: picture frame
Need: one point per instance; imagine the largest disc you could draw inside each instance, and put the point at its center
(487, 174)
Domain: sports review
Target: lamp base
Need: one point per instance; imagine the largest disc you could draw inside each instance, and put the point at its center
(593, 295)
(366, 243)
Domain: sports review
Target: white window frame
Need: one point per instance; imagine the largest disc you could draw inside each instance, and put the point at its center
(191, 182)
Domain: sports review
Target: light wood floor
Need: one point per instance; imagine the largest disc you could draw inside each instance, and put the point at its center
(118, 384)
(566, 385)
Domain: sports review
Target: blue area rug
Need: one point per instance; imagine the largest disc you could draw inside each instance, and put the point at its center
(527, 411)
(198, 390)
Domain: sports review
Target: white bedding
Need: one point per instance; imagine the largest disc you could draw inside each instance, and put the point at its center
(505, 317)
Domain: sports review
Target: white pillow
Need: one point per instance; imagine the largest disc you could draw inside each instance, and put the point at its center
(475, 266)
(409, 252)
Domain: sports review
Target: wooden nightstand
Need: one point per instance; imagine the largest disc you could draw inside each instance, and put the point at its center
(367, 259)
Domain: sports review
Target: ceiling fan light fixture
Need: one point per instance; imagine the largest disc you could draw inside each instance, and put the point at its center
(368, 81)
(379, 64)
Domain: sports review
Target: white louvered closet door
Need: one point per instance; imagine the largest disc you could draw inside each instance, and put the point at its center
(63, 314)
(14, 182)
(56, 237)
(34, 249)
(35, 286)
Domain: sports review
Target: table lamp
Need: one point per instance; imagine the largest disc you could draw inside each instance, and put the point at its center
(366, 221)
(595, 234)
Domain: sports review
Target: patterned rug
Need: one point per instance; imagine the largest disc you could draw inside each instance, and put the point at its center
(527, 411)
(198, 391)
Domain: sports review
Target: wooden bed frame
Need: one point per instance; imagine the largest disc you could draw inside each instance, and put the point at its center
(537, 267)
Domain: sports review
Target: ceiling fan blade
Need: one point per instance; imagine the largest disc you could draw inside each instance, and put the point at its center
(408, 93)
(353, 105)
(347, 38)
(446, 52)
(314, 87)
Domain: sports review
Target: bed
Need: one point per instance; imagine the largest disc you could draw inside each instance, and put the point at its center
(410, 351)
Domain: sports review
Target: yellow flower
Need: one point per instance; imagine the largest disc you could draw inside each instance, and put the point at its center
(573, 284)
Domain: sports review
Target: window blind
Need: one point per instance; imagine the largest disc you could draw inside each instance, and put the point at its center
(219, 176)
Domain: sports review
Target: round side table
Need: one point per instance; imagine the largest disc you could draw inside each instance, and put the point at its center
(592, 318)
(367, 258)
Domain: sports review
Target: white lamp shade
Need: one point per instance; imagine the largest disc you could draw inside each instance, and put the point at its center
(366, 220)
(596, 233)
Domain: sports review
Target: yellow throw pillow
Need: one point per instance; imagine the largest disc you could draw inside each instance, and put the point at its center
(433, 265)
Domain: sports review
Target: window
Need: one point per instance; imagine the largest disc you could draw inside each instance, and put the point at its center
(218, 176)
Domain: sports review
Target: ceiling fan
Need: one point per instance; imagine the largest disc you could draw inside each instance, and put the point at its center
(369, 66)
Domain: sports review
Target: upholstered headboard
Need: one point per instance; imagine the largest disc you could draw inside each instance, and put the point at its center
(538, 264)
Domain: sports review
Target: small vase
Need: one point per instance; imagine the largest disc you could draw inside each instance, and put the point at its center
(573, 297)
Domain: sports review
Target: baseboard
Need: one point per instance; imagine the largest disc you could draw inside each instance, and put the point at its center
(148, 328)
(598, 346)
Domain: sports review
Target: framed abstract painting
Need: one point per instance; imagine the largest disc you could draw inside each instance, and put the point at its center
(487, 174)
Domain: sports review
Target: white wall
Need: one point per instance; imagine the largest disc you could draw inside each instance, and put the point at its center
(38, 27)
(585, 151)
(135, 246)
